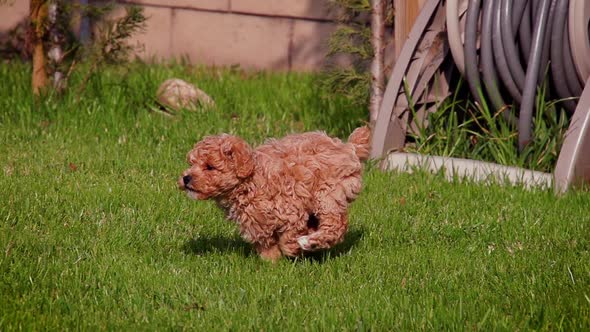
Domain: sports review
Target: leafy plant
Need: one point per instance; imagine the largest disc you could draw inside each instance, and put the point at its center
(110, 45)
(353, 39)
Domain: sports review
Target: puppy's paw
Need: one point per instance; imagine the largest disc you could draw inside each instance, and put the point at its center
(304, 243)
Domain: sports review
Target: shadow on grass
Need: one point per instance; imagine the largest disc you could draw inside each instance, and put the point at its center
(216, 244)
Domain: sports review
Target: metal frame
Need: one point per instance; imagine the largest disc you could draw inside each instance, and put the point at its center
(573, 164)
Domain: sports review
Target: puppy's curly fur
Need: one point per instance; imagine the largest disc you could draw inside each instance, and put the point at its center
(288, 195)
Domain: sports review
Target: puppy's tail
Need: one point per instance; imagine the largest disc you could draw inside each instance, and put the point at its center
(361, 140)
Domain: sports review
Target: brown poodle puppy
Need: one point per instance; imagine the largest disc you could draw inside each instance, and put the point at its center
(288, 195)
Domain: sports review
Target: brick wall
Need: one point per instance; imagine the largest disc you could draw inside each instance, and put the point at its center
(260, 34)
(12, 12)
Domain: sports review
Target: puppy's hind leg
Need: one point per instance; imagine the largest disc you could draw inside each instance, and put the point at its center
(302, 227)
(331, 212)
(288, 243)
(331, 230)
(271, 253)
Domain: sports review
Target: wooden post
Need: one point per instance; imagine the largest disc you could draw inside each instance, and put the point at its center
(38, 16)
(378, 8)
(406, 12)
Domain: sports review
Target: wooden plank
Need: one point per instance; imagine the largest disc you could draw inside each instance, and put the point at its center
(406, 12)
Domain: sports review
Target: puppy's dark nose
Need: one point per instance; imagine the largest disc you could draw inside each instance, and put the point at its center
(187, 179)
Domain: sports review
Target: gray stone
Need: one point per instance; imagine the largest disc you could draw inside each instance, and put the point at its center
(178, 94)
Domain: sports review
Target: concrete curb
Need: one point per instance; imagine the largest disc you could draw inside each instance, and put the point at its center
(473, 170)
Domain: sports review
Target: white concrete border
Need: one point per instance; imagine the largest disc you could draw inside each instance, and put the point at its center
(473, 170)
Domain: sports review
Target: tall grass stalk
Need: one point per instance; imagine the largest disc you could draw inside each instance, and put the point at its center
(462, 128)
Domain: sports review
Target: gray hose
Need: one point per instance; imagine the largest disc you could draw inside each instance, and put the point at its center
(470, 49)
(507, 38)
(544, 65)
(454, 34)
(500, 58)
(517, 11)
(487, 59)
(530, 85)
(524, 33)
(557, 66)
(534, 10)
(510, 50)
(571, 74)
(490, 79)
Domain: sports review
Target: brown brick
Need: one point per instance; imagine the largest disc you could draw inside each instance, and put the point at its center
(310, 46)
(222, 5)
(12, 13)
(312, 9)
(226, 39)
(155, 41)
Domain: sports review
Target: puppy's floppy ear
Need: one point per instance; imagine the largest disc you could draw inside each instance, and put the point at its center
(240, 155)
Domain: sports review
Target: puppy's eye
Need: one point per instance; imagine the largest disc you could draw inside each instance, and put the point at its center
(209, 167)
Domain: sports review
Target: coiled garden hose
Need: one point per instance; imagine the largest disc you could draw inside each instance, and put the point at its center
(522, 42)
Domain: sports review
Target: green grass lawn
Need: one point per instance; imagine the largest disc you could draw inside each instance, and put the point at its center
(95, 235)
